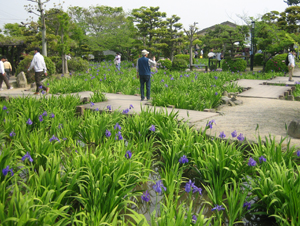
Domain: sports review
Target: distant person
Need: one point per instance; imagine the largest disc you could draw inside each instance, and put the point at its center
(3, 75)
(117, 61)
(7, 68)
(211, 55)
(38, 63)
(291, 65)
(218, 58)
(201, 53)
(68, 57)
(196, 54)
(143, 73)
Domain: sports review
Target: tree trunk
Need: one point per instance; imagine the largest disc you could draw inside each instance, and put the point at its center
(44, 41)
(191, 56)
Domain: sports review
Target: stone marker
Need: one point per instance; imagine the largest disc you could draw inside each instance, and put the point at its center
(294, 128)
(21, 80)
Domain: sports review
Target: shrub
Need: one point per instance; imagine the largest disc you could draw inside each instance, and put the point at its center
(179, 64)
(277, 63)
(258, 59)
(78, 64)
(109, 57)
(166, 64)
(234, 65)
(25, 63)
(185, 57)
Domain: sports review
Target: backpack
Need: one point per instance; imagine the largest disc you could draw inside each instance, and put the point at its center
(287, 60)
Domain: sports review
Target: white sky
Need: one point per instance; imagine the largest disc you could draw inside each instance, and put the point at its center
(205, 12)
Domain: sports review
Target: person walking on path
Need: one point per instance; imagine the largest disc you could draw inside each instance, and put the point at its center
(211, 55)
(291, 65)
(38, 63)
(3, 75)
(7, 68)
(143, 73)
(117, 61)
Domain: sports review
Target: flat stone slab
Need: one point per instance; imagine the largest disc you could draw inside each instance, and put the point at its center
(258, 90)
(283, 81)
(122, 102)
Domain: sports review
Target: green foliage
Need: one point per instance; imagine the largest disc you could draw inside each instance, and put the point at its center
(234, 65)
(77, 64)
(166, 64)
(258, 59)
(109, 57)
(179, 64)
(277, 63)
(25, 63)
(186, 57)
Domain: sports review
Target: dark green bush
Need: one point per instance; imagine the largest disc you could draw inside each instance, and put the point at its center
(277, 63)
(258, 59)
(166, 64)
(185, 57)
(25, 63)
(77, 64)
(179, 64)
(109, 57)
(234, 65)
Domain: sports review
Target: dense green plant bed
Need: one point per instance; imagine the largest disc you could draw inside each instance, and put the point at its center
(61, 169)
(187, 90)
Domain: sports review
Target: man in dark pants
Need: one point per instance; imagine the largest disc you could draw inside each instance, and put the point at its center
(39, 65)
(3, 75)
(144, 72)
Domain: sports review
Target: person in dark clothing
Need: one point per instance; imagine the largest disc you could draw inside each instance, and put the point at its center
(3, 76)
(144, 73)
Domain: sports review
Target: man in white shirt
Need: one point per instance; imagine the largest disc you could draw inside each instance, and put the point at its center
(38, 63)
(3, 74)
(211, 55)
(291, 58)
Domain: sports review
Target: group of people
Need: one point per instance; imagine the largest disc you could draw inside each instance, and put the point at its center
(5, 70)
(218, 56)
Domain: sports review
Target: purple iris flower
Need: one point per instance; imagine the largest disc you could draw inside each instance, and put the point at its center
(128, 154)
(131, 106)
(29, 122)
(126, 111)
(247, 205)
(222, 135)
(27, 156)
(166, 85)
(183, 159)
(117, 126)
(52, 115)
(12, 134)
(162, 80)
(152, 128)
(234, 134)
(158, 187)
(216, 77)
(107, 133)
(216, 93)
(210, 124)
(92, 104)
(188, 186)
(41, 118)
(218, 208)
(194, 218)
(240, 137)
(298, 153)
(6, 170)
(146, 196)
(119, 136)
(4, 108)
(60, 126)
(251, 162)
(53, 138)
(108, 107)
(45, 113)
(262, 159)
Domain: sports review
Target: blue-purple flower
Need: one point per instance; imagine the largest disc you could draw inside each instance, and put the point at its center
(146, 196)
(234, 134)
(117, 126)
(52, 115)
(247, 205)
(194, 218)
(262, 159)
(119, 136)
(251, 162)
(166, 85)
(41, 118)
(45, 113)
(53, 138)
(216, 77)
(108, 107)
(152, 128)
(131, 106)
(128, 154)
(240, 137)
(92, 104)
(29, 122)
(222, 135)
(4, 108)
(210, 124)
(27, 156)
(60, 126)
(126, 111)
(298, 153)
(6, 170)
(218, 208)
(12, 134)
(158, 187)
(183, 159)
(188, 186)
(107, 133)
(196, 189)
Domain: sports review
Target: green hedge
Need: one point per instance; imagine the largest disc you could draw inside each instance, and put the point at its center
(234, 65)
(258, 59)
(179, 64)
(166, 64)
(185, 57)
(109, 57)
(277, 63)
(25, 63)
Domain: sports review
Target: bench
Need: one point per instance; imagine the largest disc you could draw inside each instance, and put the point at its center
(199, 66)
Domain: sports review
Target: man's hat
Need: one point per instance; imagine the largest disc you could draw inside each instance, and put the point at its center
(145, 52)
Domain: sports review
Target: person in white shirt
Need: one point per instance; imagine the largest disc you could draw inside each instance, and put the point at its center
(211, 55)
(117, 61)
(291, 65)
(3, 74)
(38, 63)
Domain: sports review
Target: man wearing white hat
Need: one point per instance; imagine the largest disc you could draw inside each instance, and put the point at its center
(144, 73)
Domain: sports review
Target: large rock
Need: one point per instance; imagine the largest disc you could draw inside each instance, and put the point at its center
(21, 80)
(225, 99)
(294, 128)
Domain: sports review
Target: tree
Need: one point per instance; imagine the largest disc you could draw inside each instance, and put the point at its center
(290, 19)
(192, 36)
(14, 30)
(150, 24)
(292, 2)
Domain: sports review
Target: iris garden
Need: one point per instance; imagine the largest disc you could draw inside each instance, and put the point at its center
(58, 168)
